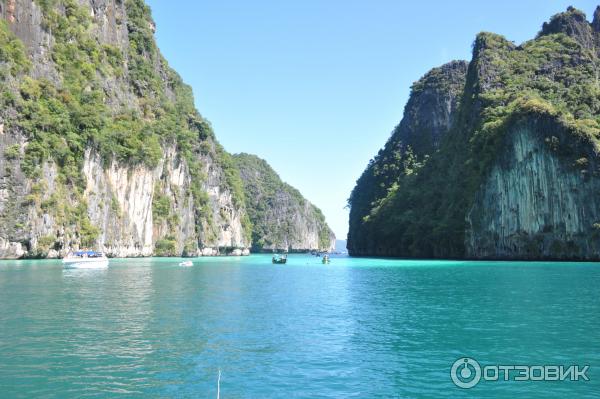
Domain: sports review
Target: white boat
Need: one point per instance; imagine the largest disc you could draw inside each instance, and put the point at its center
(186, 263)
(85, 260)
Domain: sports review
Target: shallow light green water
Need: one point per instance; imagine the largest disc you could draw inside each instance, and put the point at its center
(360, 328)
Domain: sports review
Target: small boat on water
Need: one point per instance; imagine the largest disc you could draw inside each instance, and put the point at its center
(326, 260)
(279, 259)
(186, 263)
(85, 260)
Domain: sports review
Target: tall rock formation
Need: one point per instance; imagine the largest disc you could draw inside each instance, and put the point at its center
(100, 143)
(515, 173)
(281, 217)
(428, 115)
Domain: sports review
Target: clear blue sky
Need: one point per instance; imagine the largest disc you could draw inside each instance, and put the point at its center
(315, 87)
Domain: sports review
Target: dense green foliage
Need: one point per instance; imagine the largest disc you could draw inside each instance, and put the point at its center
(420, 210)
(166, 247)
(12, 53)
(161, 205)
(12, 152)
(274, 206)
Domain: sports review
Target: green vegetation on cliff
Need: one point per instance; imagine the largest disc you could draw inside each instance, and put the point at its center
(428, 116)
(419, 208)
(281, 217)
(12, 53)
(81, 103)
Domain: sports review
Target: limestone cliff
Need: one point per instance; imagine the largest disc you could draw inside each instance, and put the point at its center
(534, 203)
(516, 173)
(100, 143)
(282, 218)
(428, 115)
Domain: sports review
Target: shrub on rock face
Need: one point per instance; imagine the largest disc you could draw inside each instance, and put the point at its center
(165, 247)
(12, 152)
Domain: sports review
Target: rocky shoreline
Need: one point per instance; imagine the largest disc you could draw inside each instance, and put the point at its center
(14, 251)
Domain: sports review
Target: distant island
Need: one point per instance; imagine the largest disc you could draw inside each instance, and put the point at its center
(496, 158)
(101, 146)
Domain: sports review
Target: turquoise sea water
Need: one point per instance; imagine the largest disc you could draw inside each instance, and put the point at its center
(360, 328)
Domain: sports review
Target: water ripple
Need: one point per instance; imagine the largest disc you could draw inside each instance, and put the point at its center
(356, 328)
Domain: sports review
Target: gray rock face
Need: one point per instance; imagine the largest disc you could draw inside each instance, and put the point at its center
(429, 112)
(533, 204)
(25, 19)
(117, 197)
(574, 24)
(120, 201)
(282, 218)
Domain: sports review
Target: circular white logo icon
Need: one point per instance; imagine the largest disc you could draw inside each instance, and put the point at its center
(465, 372)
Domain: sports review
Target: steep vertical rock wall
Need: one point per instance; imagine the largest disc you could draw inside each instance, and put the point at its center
(185, 200)
(534, 203)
